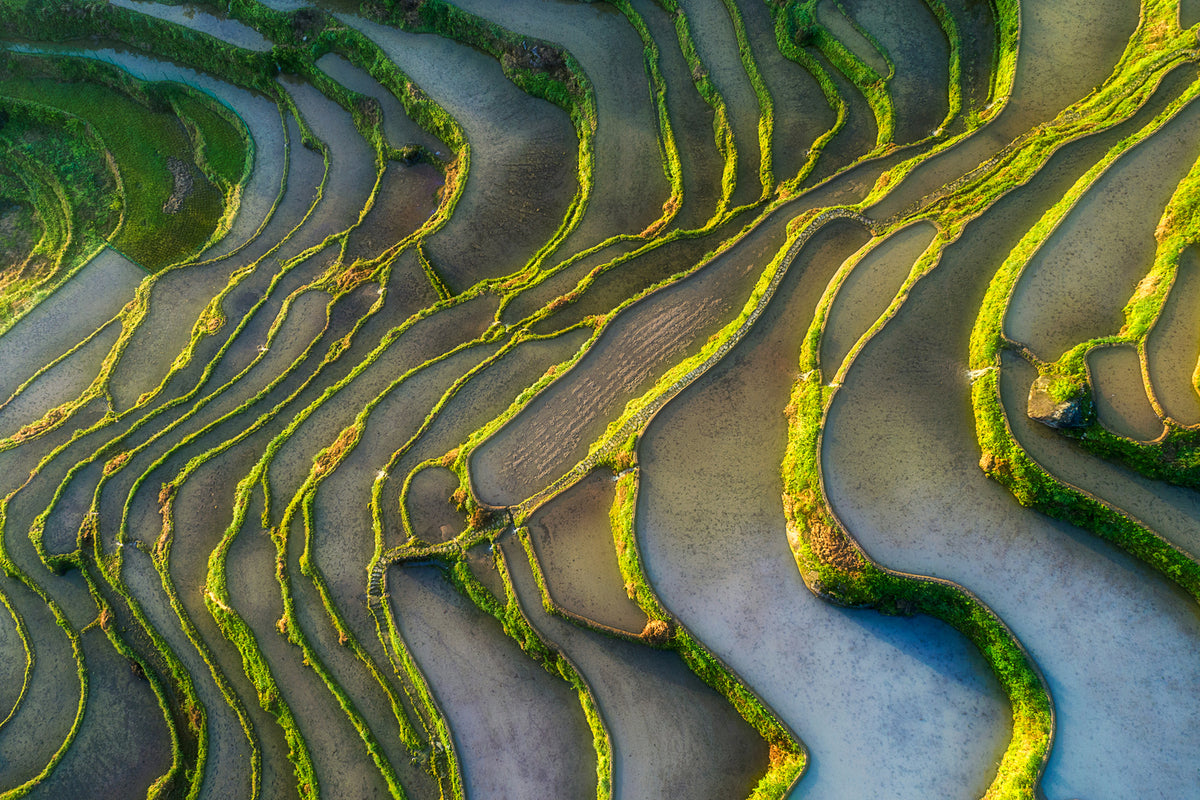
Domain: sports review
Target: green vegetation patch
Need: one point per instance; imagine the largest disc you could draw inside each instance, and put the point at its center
(59, 198)
(171, 207)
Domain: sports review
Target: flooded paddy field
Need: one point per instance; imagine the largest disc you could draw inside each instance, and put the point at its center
(1173, 347)
(630, 399)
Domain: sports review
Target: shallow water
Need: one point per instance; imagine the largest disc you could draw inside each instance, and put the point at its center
(523, 155)
(1120, 394)
(12, 661)
(519, 732)
(868, 291)
(257, 112)
(203, 510)
(189, 16)
(691, 121)
(712, 32)
(914, 40)
(1077, 283)
(856, 138)
(1170, 511)
(42, 720)
(705, 751)
(801, 111)
(180, 295)
(624, 200)
(338, 754)
(408, 196)
(60, 384)
(122, 745)
(1173, 345)
(1189, 13)
(434, 518)
(887, 707)
(1066, 49)
(900, 467)
(399, 129)
(573, 540)
(553, 432)
(91, 297)
(840, 25)
(227, 772)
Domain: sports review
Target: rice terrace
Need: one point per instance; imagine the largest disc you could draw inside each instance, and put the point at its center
(634, 399)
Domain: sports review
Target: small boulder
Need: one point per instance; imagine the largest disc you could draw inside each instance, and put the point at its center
(1044, 408)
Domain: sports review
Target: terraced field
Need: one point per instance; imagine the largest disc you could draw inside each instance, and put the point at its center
(635, 399)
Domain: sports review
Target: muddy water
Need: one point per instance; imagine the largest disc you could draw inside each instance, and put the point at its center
(716, 44)
(60, 384)
(1146, 686)
(408, 195)
(523, 155)
(917, 45)
(338, 755)
(1189, 13)
(868, 291)
(801, 111)
(12, 660)
(343, 544)
(481, 560)
(691, 121)
(857, 136)
(706, 751)
(391, 425)
(343, 539)
(202, 513)
(1173, 346)
(630, 186)
(841, 25)
(434, 518)
(266, 356)
(573, 540)
(520, 733)
(260, 116)
(1067, 49)
(296, 333)
(351, 169)
(167, 327)
(1120, 394)
(227, 772)
(189, 16)
(627, 279)
(901, 469)
(349, 183)
(399, 129)
(123, 745)
(1078, 282)
(1170, 511)
(887, 707)
(424, 341)
(47, 710)
(553, 432)
(485, 397)
(977, 34)
(62, 526)
(350, 766)
(94, 295)
(369, 700)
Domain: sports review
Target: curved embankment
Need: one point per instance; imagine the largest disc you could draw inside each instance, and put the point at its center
(301, 493)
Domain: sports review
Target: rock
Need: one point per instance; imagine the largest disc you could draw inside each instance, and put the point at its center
(1043, 408)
